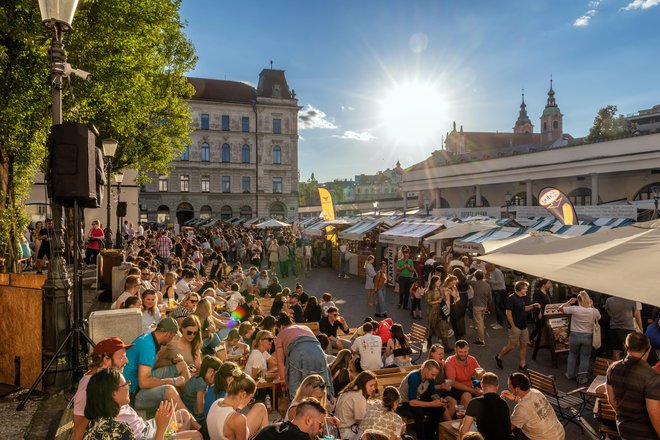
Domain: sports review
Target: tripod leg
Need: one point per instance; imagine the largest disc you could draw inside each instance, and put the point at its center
(43, 372)
(86, 338)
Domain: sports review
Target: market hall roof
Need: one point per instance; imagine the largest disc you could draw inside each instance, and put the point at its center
(222, 90)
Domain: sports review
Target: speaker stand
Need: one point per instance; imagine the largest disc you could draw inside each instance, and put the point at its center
(77, 333)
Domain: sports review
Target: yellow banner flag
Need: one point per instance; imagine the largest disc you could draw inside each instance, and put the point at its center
(327, 209)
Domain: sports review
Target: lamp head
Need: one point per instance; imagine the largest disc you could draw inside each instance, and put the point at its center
(58, 13)
(109, 147)
(119, 178)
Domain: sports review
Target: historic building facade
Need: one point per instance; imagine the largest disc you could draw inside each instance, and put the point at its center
(490, 172)
(243, 157)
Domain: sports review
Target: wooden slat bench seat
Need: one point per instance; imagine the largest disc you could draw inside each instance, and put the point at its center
(568, 406)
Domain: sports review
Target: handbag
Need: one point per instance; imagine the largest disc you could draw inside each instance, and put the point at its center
(596, 335)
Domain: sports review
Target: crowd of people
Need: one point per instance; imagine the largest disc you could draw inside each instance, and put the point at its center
(208, 342)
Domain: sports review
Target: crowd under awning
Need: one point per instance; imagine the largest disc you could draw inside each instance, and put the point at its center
(358, 230)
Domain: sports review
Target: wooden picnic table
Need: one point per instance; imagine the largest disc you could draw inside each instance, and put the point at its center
(598, 381)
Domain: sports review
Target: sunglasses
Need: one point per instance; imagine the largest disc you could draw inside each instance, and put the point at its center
(268, 339)
(125, 384)
(319, 385)
(190, 332)
(194, 301)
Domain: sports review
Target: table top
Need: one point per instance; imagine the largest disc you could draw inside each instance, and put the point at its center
(598, 381)
(451, 427)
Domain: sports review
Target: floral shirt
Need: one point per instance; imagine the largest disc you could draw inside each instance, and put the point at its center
(108, 429)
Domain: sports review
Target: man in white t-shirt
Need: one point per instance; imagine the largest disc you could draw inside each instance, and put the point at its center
(131, 288)
(182, 287)
(533, 414)
(369, 348)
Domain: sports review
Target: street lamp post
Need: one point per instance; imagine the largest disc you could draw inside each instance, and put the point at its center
(109, 149)
(507, 199)
(56, 15)
(119, 178)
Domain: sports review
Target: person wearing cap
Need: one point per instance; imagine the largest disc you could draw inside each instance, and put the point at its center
(108, 353)
(147, 391)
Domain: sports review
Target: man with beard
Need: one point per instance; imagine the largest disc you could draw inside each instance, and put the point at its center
(148, 391)
(459, 369)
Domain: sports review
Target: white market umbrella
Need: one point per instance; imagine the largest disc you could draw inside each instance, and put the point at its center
(623, 262)
(272, 223)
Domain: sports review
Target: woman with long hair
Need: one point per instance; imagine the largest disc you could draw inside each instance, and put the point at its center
(399, 347)
(168, 291)
(312, 386)
(312, 311)
(370, 274)
(340, 370)
(352, 403)
(580, 341)
(381, 415)
(260, 360)
(185, 348)
(150, 313)
(226, 422)
(438, 311)
(221, 380)
(107, 392)
(210, 324)
(459, 304)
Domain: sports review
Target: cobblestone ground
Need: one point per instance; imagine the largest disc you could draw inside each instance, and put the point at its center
(40, 419)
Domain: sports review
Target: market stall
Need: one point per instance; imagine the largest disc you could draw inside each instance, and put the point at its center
(363, 238)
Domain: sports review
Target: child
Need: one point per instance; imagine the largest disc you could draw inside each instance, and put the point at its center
(196, 387)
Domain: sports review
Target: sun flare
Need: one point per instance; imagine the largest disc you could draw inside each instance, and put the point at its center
(413, 112)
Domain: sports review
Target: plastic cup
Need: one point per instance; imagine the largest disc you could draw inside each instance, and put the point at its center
(479, 372)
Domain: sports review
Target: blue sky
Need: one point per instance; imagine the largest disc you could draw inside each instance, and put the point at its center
(470, 59)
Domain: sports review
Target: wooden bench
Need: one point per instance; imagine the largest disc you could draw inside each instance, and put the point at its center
(392, 380)
(601, 364)
(313, 326)
(568, 406)
(606, 417)
(418, 337)
(395, 370)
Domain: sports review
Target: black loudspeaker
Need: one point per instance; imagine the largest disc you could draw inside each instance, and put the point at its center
(73, 163)
(121, 209)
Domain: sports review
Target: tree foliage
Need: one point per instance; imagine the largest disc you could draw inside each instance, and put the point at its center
(138, 55)
(607, 125)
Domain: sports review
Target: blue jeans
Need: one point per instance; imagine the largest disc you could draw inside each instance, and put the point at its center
(579, 344)
(381, 307)
(343, 264)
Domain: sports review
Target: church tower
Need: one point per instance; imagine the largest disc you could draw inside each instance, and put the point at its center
(523, 124)
(551, 120)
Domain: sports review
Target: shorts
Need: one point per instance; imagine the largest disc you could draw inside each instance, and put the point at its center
(617, 338)
(44, 250)
(150, 398)
(518, 337)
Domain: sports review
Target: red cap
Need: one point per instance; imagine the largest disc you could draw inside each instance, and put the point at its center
(109, 346)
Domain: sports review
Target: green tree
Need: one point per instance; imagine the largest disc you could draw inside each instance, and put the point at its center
(607, 125)
(307, 192)
(138, 55)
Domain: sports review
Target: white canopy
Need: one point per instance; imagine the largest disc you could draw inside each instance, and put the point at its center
(272, 223)
(622, 261)
(358, 230)
(462, 229)
(408, 233)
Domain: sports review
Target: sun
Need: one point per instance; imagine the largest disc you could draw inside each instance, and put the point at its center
(413, 112)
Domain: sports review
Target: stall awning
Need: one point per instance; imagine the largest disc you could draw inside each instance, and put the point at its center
(408, 233)
(617, 261)
(476, 242)
(462, 229)
(357, 231)
(316, 230)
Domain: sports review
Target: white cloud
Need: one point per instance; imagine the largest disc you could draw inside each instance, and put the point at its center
(311, 117)
(365, 136)
(347, 108)
(641, 4)
(586, 18)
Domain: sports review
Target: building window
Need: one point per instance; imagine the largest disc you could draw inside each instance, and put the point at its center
(226, 153)
(555, 125)
(184, 183)
(580, 196)
(245, 124)
(226, 184)
(277, 154)
(520, 199)
(472, 202)
(277, 126)
(205, 212)
(226, 212)
(225, 122)
(205, 121)
(246, 211)
(206, 152)
(206, 184)
(245, 184)
(186, 153)
(245, 154)
(277, 185)
(162, 183)
(163, 214)
(648, 192)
